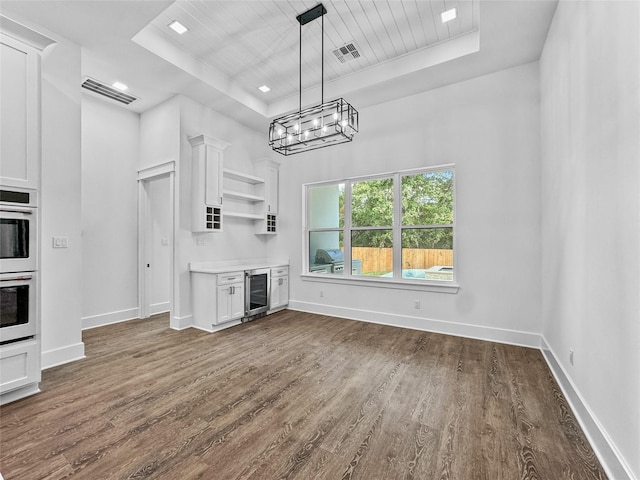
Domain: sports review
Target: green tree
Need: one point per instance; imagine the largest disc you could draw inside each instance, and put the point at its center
(427, 199)
(372, 206)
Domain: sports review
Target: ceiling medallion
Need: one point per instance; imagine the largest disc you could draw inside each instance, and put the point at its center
(323, 125)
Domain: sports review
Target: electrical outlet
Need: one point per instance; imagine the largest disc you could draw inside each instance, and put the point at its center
(416, 304)
(571, 356)
(321, 294)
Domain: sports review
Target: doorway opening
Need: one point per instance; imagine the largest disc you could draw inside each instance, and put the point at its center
(156, 240)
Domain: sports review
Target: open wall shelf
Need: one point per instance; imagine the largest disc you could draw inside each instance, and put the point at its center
(248, 197)
(250, 216)
(242, 177)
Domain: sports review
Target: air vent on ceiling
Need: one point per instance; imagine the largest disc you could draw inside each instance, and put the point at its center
(347, 52)
(107, 91)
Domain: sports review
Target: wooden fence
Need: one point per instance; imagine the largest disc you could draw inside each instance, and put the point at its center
(381, 259)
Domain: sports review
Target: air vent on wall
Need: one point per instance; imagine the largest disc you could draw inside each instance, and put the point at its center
(347, 52)
(107, 91)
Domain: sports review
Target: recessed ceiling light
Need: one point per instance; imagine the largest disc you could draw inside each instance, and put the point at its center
(120, 86)
(448, 15)
(177, 27)
(264, 89)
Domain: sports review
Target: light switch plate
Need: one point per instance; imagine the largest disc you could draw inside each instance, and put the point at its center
(60, 242)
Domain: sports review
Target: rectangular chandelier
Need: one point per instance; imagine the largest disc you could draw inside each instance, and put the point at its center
(323, 125)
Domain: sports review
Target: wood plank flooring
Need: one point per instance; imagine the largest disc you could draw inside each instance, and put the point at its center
(294, 396)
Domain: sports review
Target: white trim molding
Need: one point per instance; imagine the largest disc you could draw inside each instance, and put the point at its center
(24, 34)
(492, 334)
(610, 457)
(109, 318)
(60, 356)
(156, 170)
(162, 307)
(180, 323)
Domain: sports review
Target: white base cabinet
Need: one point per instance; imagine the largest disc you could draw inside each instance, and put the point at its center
(279, 297)
(217, 299)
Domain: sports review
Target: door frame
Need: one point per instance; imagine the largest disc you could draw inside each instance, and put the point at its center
(145, 176)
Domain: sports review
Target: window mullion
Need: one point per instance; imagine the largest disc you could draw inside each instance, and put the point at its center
(397, 226)
(347, 229)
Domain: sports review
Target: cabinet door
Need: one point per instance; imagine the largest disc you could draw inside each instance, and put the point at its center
(223, 305)
(230, 305)
(271, 190)
(237, 301)
(213, 176)
(19, 134)
(279, 292)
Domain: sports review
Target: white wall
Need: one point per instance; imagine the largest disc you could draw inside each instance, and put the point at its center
(590, 114)
(61, 269)
(160, 134)
(110, 150)
(489, 128)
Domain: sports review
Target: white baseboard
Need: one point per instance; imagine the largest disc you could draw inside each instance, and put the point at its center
(59, 356)
(19, 393)
(499, 335)
(180, 323)
(160, 308)
(610, 457)
(103, 319)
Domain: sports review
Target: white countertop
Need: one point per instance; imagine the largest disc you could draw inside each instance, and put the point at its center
(237, 265)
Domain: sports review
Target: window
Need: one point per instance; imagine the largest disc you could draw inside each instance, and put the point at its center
(392, 227)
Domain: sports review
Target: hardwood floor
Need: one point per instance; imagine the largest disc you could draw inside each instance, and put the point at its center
(294, 395)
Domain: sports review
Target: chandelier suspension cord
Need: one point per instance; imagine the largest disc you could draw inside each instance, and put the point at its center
(300, 97)
(322, 63)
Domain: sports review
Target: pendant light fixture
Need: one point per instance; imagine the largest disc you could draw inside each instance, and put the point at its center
(323, 125)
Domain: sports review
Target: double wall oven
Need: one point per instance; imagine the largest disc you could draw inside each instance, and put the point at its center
(18, 264)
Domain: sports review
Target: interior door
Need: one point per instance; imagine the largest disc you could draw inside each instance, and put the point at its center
(156, 234)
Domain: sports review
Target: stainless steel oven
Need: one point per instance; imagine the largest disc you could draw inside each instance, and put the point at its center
(18, 231)
(17, 306)
(257, 287)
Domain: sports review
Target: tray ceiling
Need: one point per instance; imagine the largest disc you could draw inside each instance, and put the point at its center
(235, 46)
(239, 46)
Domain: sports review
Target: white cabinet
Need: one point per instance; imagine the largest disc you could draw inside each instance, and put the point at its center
(20, 148)
(19, 365)
(20, 92)
(279, 297)
(217, 298)
(206, 183)
(269, 170)
(230, 297)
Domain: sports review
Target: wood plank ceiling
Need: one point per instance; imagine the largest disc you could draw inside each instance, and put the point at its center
(257, 42)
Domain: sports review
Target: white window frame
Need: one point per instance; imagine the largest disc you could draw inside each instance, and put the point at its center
(443, 286)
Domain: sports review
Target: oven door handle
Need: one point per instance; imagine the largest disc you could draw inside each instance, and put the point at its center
(16, 279)
(26, 211)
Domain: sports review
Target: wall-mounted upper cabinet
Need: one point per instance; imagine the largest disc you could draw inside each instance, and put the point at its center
(206, 183)
(268, 211)
(20, 50)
